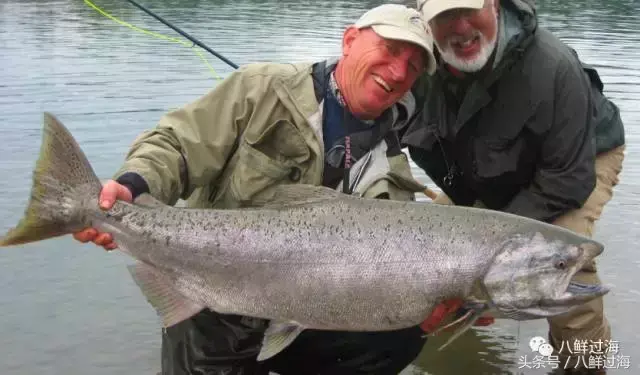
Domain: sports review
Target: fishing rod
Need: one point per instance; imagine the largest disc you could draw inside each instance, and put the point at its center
(183, 33)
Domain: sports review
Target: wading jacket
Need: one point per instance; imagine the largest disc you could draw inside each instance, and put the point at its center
(523, 137)
(260, 127)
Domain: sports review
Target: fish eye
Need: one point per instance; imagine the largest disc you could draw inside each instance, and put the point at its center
(561, 264)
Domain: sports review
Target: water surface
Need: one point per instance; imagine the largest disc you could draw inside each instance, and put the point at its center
(67, 308)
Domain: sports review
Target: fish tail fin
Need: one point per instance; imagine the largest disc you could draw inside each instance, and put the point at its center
(63, 186)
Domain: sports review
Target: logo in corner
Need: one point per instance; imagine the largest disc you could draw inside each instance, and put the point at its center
(540, 345)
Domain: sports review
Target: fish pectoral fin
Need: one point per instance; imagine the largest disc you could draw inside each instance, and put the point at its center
(147, 200)
(277, 337)
(470, 319)
(171, 306)
(297, 194)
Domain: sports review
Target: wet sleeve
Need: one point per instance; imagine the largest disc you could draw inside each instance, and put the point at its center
(565, 175)
(190, 145)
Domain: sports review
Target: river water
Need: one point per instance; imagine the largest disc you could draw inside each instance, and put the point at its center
(67, 308)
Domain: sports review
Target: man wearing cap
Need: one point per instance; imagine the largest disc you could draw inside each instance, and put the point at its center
(513, 121)
(271, 124)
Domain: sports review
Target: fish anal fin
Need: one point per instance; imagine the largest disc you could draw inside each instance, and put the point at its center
(171, 306)
(277, 337)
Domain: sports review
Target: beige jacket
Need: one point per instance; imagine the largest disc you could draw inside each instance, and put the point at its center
(260, 127)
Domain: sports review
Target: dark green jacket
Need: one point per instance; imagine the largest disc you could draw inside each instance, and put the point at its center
(523, 137)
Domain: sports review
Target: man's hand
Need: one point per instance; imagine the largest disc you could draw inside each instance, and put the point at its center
(111, 191)
(444, 310)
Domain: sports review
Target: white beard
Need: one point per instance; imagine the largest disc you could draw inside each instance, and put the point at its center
(475, 63)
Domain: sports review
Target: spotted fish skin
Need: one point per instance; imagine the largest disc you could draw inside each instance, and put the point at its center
(307, 256)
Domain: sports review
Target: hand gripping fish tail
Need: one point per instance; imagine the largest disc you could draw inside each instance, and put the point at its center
(288, 259)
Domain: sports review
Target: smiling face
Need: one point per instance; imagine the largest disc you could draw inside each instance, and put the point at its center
(466, 38)
(374, 72)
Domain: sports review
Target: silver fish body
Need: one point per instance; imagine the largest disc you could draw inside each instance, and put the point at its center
(311, 257)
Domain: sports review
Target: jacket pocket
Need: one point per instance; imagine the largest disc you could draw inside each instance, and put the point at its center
(497, 156)
(277, 154)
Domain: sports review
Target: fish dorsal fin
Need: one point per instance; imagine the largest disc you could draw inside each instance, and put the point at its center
(297, 194)
(277, 337)
(147, 200)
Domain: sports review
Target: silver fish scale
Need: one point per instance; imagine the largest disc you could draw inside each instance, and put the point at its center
(312, 255)
(322, 264)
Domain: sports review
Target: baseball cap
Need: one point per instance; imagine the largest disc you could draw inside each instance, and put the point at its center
(431, 8)
(398, 22)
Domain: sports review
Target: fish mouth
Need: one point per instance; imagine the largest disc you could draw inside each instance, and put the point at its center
(576, 294)
(561, 294)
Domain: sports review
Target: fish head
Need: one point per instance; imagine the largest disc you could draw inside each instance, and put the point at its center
(531, 277)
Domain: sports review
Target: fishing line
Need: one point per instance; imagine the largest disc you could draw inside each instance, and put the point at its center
(156, 35)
